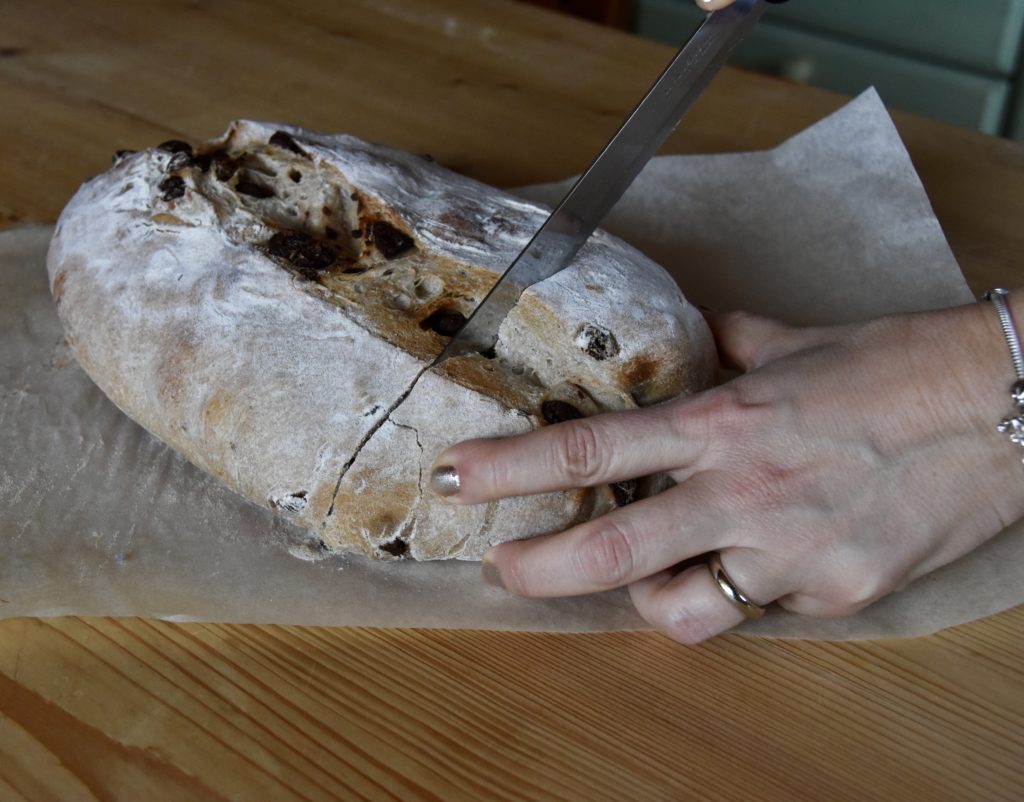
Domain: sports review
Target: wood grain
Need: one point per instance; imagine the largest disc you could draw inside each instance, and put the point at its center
(131, 709)
(503, 92)
(135, 709)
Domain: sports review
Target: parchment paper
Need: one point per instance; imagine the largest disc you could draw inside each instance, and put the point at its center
(97, 517)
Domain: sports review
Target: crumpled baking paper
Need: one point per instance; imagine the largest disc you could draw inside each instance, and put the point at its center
(97, 517)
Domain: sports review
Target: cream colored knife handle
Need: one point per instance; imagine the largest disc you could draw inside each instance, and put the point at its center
(714, 5)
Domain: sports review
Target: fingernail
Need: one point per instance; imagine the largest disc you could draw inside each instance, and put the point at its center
(444, 480)
(490, 573)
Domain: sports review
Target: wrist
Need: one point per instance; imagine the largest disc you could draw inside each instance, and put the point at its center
(999, 335)
(987, 373)
(956, 364)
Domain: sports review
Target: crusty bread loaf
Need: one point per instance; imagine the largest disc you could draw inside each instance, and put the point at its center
(267, 305)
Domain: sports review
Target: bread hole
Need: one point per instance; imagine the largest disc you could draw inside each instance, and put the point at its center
(555, 411)
(249, 184)
(122, 154)
(295, 176)
(445, 322)
(355, 270)
(283, 139)
(291, 502)
(390, 241)
(396, 547)
(224, 167)
(596, 341)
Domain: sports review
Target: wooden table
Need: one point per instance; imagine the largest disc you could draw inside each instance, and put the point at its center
(145, 710)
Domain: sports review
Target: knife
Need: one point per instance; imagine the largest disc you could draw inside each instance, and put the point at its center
(593, 195)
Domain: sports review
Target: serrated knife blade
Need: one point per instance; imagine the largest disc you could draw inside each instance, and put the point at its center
(597, 190)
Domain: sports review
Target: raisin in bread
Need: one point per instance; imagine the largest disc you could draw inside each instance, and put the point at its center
(268, 303)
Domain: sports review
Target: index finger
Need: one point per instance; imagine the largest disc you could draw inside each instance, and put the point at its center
(580, 453)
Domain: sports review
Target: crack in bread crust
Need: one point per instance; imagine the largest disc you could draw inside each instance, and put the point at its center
(269, 302)
(386, 418)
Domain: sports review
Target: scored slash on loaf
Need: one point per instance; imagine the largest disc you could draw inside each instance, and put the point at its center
(268, 303)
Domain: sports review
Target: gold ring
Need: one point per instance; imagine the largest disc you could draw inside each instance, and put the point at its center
(730, 591)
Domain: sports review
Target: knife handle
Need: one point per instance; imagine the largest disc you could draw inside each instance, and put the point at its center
(714, 5)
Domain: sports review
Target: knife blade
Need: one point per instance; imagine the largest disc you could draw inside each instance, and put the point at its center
(597, 190)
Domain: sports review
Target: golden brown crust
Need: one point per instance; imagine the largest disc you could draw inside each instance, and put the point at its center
(267, 304)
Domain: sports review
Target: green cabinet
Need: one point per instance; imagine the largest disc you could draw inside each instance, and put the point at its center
(954, 60)
(980, 34)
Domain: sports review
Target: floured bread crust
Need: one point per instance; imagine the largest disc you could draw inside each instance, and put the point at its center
(268, 303)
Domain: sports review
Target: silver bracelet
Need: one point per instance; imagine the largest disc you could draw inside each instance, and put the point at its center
(1012, 425)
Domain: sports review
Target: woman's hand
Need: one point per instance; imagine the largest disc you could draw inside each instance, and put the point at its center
(842, 464)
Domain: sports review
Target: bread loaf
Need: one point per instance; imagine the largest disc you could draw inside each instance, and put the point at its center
(268, 303)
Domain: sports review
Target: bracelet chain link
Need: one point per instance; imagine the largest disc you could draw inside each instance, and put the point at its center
(1012, 425)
